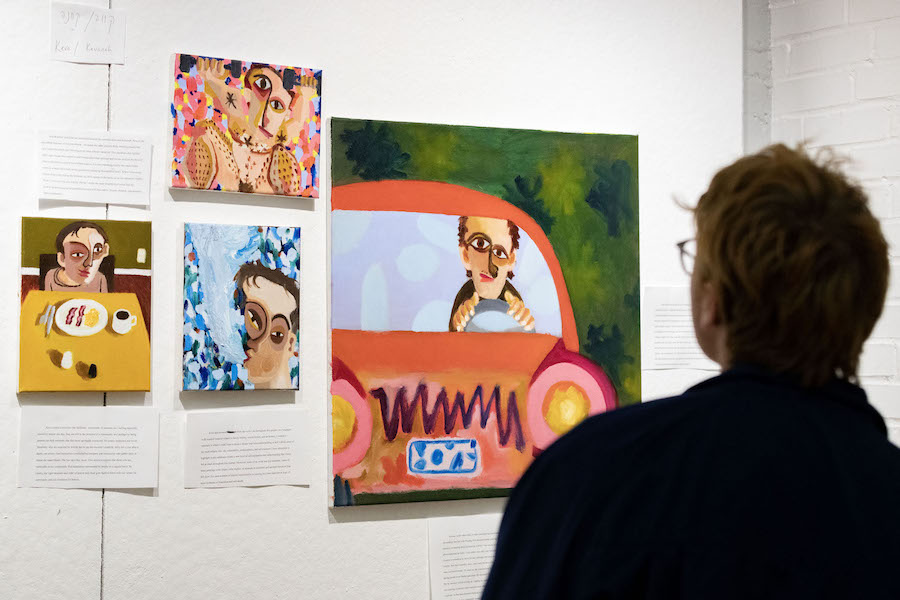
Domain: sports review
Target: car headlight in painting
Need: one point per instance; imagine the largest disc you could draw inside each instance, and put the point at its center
(351, 422)
(565, 406)
(564, 394)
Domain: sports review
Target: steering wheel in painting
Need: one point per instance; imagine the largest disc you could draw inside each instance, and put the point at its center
(491, 317)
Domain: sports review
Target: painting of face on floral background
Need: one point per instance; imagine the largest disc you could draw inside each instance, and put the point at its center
(241, 307)
(241, 126)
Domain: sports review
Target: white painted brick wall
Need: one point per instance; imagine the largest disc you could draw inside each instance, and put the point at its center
(887, 41)
(847, 126)
(895, 200)
(836, 82)
(891, 230)
(811, 92)
(879, 81)
(880, 202)
(867, 11)
(832, 49)
(872, 162)
(893, 295)
(879, 359)
(779, 61)
(888, 327)
(886, 398)
(806, 17)
(789, 130)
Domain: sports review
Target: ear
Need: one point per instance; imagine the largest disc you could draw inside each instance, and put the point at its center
(61, 259)
(464, 257)
(105, 250)
(710, 312)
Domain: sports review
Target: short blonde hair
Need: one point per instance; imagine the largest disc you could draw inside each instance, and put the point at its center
(797, 260)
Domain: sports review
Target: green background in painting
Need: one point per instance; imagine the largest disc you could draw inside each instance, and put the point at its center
(582, 189)
(125, 238)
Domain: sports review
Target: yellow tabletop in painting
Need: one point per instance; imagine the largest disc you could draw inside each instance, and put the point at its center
(122, 360)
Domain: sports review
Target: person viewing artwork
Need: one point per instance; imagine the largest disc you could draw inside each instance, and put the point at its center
(774, 479)
(81, 247)
(241, 307)
(245, 127)
(487, 249)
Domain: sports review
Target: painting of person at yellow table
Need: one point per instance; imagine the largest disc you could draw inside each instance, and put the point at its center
(85, 316)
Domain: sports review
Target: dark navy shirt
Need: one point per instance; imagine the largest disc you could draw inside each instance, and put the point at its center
(745, 486)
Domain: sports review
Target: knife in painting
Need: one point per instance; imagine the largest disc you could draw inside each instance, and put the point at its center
(50, 320)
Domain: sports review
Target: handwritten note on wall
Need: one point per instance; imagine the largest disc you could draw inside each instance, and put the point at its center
(87, 34)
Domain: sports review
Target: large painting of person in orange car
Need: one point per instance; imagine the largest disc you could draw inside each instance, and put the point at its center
(447, 377)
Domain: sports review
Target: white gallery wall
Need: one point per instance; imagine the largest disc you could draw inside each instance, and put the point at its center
(669, 72)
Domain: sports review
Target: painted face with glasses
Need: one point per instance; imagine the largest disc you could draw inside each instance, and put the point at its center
(487, 248)
(488, 254)
(270, 307)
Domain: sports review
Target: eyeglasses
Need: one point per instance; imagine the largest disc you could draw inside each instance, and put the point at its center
(688, 252)
(482, 244)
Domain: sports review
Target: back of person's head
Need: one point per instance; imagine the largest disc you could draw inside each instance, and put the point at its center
(797, 261)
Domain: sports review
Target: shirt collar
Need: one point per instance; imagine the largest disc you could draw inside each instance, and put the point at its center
(837, 390)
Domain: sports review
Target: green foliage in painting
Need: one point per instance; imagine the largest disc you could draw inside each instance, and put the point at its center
(374, 153)
(633, 299)
(610, 196)
(608, 350)
(580, 188)
(525, 196)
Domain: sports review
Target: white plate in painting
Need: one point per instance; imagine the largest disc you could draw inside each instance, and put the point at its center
(81, 317)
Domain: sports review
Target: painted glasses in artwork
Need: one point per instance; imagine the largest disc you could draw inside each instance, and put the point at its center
(484, 302)
(242, 126)
(85, 317)
(241, 307)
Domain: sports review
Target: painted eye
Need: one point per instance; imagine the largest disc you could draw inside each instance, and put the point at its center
(480, 244)
(98, 249)
(277, 105)
(254, 320)
(262, 83)
(500, 253)
(278, 337)
(78, 254)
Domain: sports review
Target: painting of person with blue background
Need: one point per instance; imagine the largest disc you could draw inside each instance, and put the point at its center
(241, 307)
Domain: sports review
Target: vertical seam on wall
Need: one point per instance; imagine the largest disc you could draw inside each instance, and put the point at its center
(102, 525)
(103, 491)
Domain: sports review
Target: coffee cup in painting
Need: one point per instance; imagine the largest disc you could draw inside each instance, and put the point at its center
(123, 321)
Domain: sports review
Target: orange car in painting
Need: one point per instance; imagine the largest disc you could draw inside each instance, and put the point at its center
(444, 415)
